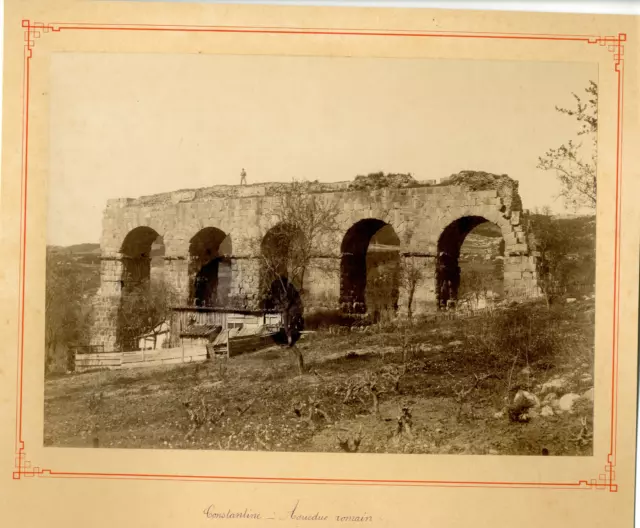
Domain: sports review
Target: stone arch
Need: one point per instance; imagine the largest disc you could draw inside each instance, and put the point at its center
(210, 250)
(359, 266)
(450, 242)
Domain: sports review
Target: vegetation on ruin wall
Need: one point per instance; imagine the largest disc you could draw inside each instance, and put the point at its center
(440, 385)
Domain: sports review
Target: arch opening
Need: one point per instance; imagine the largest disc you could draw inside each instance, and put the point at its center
(369, 268)
(470, 264)
(142, 254)
(142, 281)
(210, 267)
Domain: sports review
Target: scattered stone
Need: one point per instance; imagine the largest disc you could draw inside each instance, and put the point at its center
(499, 414)
(588, 394)
(526, 400)
(546, 411)
(586, 379)
(550, 397)
(571, 300)
(523, 407)
(585, 365)
(565, 403)
(556, 385)
(455, 343)
(492, 452)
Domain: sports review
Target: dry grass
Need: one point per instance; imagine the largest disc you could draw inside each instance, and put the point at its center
(437, 386)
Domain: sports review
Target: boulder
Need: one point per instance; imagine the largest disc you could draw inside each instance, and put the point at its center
(565, 404)
(546, 411)
(525, 400)
(588, 394)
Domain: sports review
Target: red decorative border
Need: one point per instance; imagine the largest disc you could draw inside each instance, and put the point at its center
(614, 44)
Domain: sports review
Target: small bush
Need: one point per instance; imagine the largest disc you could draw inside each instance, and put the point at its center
(507, 341)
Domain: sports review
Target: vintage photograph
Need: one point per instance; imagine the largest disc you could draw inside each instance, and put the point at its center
(321, 254)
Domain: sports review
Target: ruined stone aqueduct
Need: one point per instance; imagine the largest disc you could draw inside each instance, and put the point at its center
(219, 224)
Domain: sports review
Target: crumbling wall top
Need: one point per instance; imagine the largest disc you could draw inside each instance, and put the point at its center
(380, 180)
(483, 181)
(506, 187)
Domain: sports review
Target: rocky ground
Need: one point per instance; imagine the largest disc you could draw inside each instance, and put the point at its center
(515, 382)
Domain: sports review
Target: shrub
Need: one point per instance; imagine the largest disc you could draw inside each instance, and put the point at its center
(504, 342)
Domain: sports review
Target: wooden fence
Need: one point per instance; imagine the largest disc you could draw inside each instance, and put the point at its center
(91, 357)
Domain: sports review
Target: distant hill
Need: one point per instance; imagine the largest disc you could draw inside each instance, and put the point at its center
(80, 260)
(77, 249)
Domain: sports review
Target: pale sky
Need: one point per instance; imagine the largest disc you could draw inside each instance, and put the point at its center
(132, 124)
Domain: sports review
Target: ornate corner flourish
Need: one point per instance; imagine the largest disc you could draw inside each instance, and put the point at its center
(615, 44)
(24, 468)
(33, 31)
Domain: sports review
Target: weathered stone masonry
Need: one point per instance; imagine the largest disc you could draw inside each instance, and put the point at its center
(428, 219)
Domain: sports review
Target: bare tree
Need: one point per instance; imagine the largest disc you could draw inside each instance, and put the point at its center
(143, 310)
(303, 220)
(575, 164)
(411, 276)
